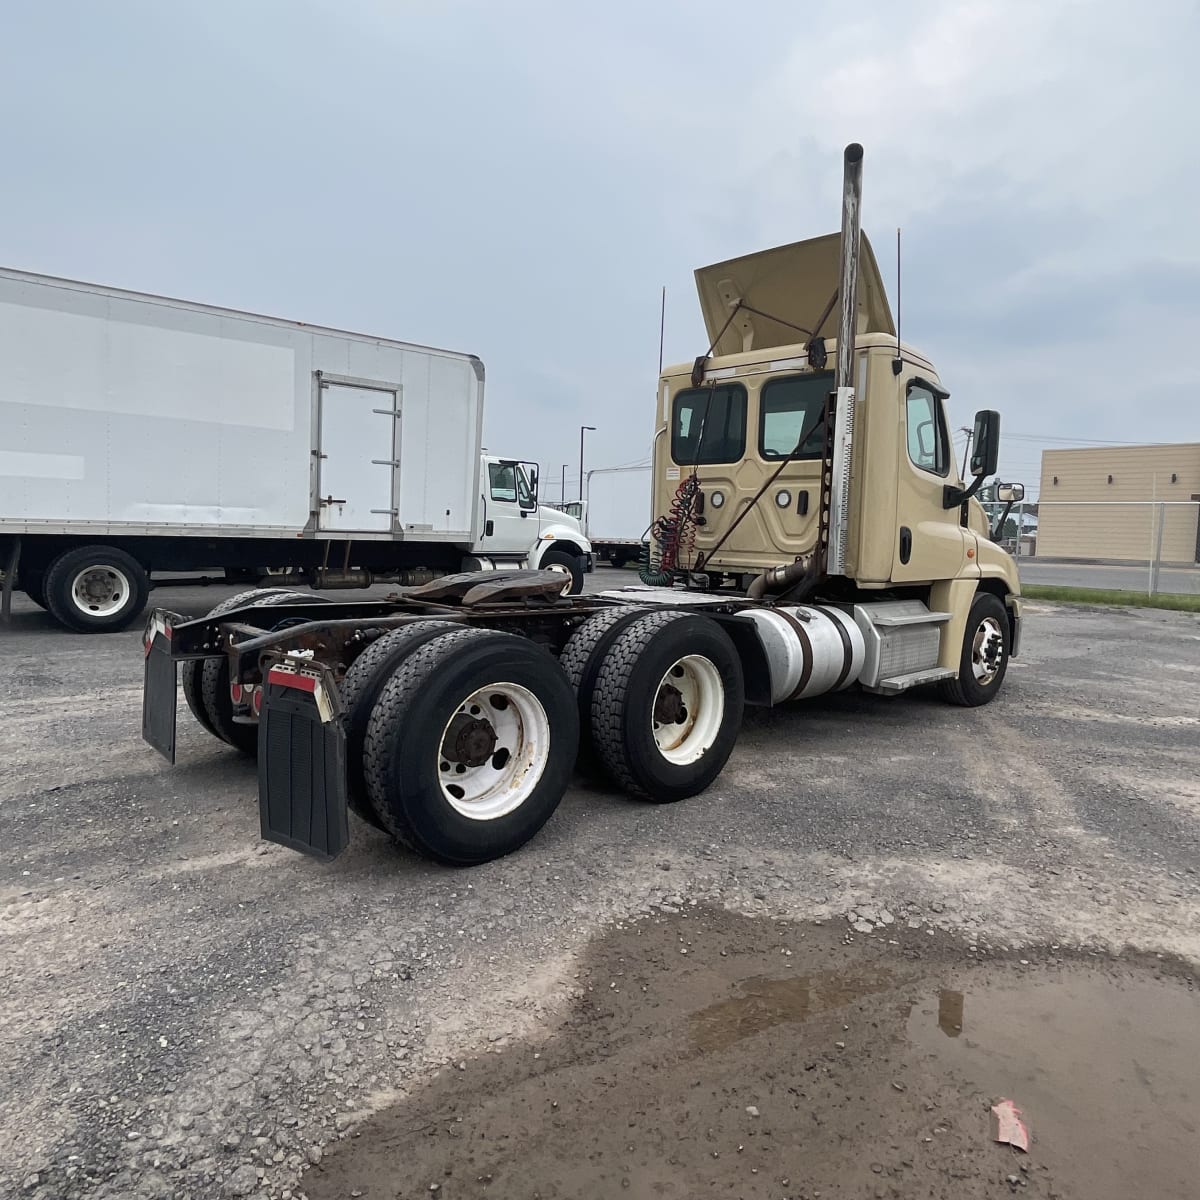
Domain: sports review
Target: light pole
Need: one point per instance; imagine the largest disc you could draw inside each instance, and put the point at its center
(582, 429)
(562, 491)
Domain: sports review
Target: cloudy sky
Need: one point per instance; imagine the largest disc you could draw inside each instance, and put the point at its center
(519, 179)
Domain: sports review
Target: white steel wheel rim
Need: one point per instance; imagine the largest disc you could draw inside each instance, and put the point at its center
(562, 569)
(99, 590)
(687, 711)
(987, 650)
(510, 771)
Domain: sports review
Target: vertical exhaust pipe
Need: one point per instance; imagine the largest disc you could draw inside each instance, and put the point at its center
(848, 284)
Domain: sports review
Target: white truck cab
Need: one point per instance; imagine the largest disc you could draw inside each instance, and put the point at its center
(514, 526)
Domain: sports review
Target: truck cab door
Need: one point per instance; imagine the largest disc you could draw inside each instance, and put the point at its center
(930, 543)
(510, 511)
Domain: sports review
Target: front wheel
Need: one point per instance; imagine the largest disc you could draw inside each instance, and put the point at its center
(984, 659)
(568, 565)
(470, 745)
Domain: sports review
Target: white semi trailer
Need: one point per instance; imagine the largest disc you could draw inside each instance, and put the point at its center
(142, 434)
(615, 511)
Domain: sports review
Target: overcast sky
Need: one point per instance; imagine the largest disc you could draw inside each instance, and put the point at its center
(518, 180)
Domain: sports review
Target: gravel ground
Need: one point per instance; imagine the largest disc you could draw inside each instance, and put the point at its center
(189, 1011)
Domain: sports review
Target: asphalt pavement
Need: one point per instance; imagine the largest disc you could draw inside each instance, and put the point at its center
(189, 1011)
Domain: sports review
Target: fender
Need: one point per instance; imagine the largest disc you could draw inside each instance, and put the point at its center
(559, 536)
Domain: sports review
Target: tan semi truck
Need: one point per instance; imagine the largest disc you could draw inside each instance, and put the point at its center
(811, 533)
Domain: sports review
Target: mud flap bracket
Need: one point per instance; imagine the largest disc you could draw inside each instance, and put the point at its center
(302, 761)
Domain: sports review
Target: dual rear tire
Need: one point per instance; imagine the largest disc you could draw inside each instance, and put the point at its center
(660, 697)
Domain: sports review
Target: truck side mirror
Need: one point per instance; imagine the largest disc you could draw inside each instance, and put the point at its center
(985, 442)
(985, 456)
(1010, 493)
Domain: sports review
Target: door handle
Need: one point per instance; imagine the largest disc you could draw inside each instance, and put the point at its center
(331, 500)
(905, 543)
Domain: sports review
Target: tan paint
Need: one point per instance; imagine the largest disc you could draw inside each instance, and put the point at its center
(887, 490)
(1113, 520)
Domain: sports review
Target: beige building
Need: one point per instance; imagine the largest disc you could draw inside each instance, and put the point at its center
(1097, 503)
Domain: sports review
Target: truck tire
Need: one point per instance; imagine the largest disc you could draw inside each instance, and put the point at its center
(568, 564)
(470, 746)
(33, 584)
(214, 676)
(359, 692)
(96, 589)
(984, 660)
(619, 558)
(581, 659)
(190, 672)
(667, 705)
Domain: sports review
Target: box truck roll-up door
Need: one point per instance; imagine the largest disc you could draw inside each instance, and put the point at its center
(359, 435)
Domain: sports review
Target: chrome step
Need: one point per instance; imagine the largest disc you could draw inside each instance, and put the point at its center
(901, 683)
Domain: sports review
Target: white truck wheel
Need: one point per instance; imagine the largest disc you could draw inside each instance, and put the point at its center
(667, 705)
(470, 746)
(96, 589)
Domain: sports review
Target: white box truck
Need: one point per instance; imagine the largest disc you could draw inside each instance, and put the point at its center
(141, 434)
(615, 511)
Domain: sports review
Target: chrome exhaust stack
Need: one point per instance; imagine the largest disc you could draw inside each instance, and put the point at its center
(805, 573)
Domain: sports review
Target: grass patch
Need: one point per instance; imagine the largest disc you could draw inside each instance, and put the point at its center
(1081, 595)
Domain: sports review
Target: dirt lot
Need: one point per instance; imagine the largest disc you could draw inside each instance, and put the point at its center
(190, 1012)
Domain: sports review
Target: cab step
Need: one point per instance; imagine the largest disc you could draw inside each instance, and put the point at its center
(901, 683)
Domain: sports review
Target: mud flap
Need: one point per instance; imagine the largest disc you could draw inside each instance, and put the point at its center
(302, 762)
(158, 687)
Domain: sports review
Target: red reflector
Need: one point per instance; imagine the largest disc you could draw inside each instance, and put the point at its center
(257, 701)
(235, 692)
(303, 683)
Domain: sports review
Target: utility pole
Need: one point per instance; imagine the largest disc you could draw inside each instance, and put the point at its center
(582, 430)
(562, 491)
(966, 449)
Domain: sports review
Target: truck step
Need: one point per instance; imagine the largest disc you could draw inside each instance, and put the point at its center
(901, 683)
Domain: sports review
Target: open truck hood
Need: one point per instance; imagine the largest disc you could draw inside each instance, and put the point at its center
(793, 285)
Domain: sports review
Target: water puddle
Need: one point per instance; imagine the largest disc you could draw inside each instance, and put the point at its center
(710, 1054)
(1105, 1066)
(765, 1003)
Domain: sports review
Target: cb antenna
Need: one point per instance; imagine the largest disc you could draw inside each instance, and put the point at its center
(898, 361)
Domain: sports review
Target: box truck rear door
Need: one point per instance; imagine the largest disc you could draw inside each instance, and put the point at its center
(359, 436)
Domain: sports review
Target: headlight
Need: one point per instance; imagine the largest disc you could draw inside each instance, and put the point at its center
(717, 499)
(783, 498)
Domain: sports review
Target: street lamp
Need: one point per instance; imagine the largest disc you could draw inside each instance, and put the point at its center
(582, 430)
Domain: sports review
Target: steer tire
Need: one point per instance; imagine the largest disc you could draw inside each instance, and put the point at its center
(625, 705)
(987, 614)
(569, 563)
(68, 609)
(214, 675)
(581, 659)
(404, 761)
(359, 692)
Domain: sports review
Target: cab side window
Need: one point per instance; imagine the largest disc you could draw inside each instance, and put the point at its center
(503, 480)
(928, 439)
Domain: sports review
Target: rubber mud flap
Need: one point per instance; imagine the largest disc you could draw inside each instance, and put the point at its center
(302, 765)
(158, 696)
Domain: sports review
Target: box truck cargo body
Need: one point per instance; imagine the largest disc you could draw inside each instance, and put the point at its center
(188, 437)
